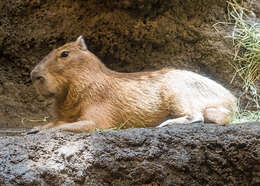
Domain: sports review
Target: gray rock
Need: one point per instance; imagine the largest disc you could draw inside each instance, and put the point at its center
(197, 154)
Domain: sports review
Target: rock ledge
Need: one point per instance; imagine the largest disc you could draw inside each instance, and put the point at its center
(197, 154)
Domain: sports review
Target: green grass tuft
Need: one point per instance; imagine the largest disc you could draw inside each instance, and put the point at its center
(247, 116)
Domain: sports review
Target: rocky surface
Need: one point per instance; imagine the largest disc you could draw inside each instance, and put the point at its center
(127, 35)
(197, 154)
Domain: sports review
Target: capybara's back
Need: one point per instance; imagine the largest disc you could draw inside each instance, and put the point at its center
(88, 95)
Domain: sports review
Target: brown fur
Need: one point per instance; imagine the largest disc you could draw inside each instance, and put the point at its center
(88, 95)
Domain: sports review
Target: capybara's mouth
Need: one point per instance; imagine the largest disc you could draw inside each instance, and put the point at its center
(50, 95)
(42, 90)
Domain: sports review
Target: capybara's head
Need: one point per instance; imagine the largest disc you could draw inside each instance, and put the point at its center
(52, 76)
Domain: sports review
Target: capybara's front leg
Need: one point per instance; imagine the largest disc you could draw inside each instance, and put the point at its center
(43, 127)
(79, 126)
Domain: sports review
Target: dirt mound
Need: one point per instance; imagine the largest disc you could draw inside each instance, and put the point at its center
(127, 35)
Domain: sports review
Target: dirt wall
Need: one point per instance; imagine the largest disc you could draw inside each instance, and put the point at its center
(127, 35)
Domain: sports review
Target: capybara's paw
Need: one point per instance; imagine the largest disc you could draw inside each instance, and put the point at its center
(34, 130)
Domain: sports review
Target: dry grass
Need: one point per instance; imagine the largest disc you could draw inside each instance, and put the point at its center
(246, 42)
(246, 58)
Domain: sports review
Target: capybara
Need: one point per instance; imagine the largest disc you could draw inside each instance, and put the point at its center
(89, 96)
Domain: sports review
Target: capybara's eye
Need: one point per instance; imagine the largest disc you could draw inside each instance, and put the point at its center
(64, 54)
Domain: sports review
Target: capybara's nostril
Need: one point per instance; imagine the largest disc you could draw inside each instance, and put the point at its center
(39, 78)
(36, 77)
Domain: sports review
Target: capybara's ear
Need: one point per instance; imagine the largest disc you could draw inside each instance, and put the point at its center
(81, 43)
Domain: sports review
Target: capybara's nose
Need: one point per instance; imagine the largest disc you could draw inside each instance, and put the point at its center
(35, 76)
